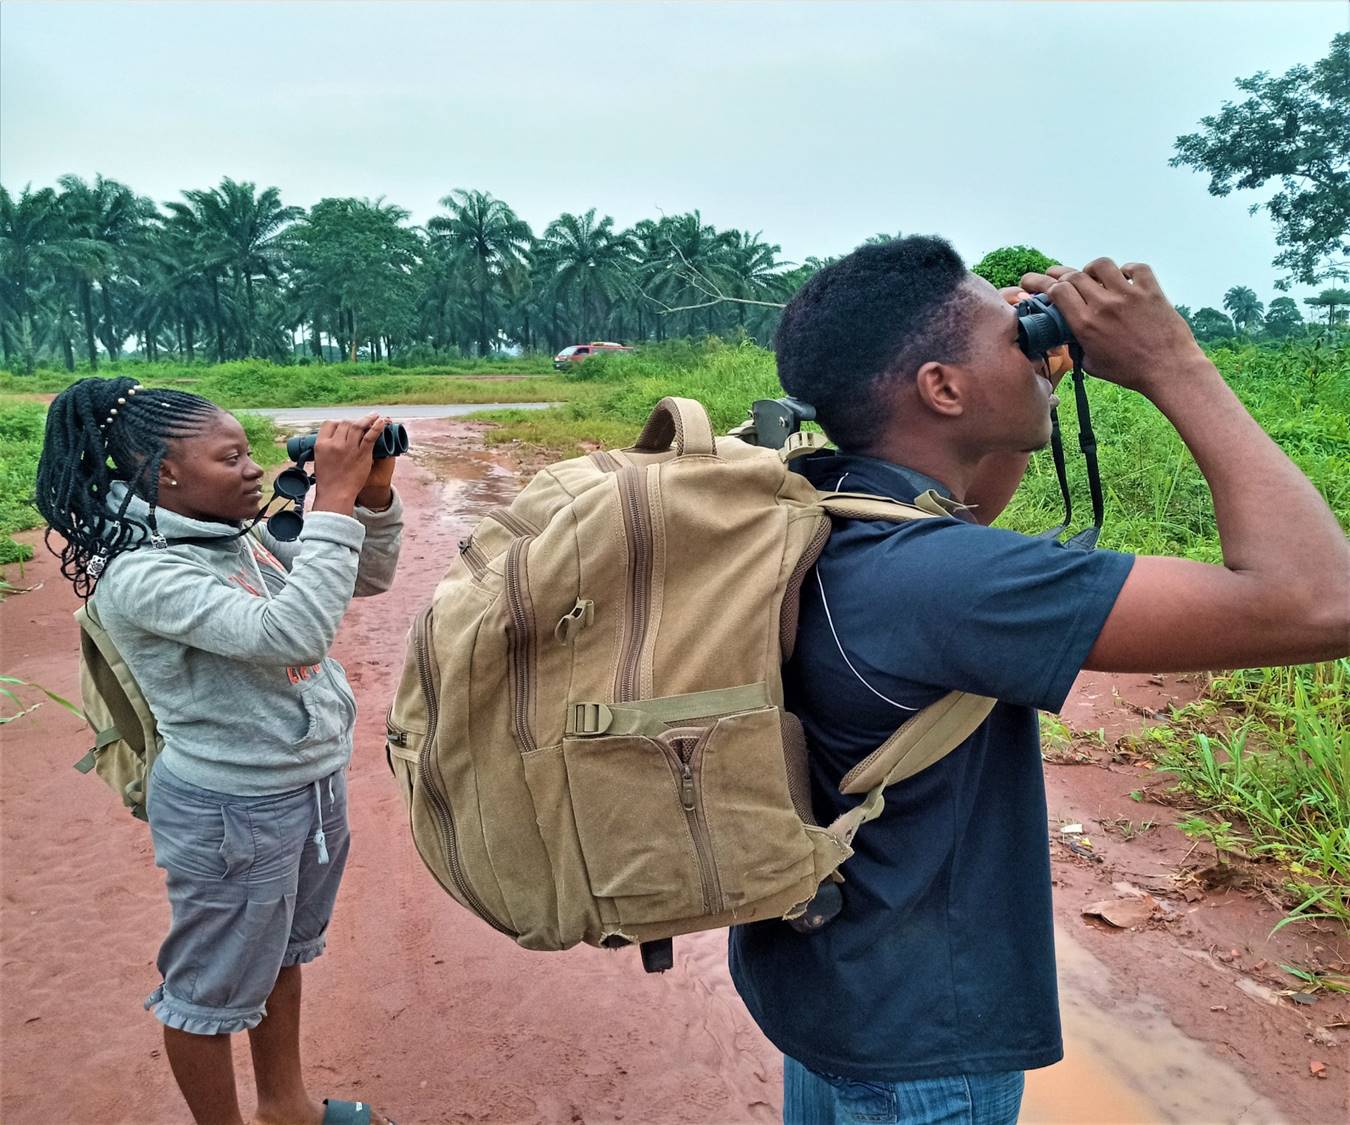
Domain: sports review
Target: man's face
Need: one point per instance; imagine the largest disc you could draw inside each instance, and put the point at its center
(1011, 395)
(217, 478)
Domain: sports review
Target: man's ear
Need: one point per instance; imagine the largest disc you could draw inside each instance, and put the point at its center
(941, 388)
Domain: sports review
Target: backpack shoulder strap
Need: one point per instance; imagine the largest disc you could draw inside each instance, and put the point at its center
(920, 742)
(133, 721)
(865, 506)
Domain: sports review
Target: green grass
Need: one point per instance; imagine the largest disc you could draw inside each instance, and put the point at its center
(1265, 757)
(1157, 502)
(257, 383)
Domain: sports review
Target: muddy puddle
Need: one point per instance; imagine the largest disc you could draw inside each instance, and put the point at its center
(1126, 1062)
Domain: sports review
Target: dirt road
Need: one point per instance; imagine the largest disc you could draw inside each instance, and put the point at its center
(425, 1011)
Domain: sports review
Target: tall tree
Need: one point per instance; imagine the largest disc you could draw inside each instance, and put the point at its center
(1006, 265)
(490, 239)
(1294, 131)
(247, 229)
(754, 274)
(356, 258)
(1331, 300)
(35, 247)
(204, 255)
(586, 260)
(111, 220)
(1211, 324)
(1244, 308)
(1283, 318)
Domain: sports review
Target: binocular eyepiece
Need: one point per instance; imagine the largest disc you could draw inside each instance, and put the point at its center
(392, 442)
(1041, 327)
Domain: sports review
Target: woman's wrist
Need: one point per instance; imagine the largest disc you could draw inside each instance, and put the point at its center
(375, 498)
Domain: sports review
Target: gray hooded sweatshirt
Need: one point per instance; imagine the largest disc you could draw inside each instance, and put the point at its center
(230, 643)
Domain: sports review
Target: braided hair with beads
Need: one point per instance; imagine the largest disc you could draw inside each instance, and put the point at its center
(100, 431)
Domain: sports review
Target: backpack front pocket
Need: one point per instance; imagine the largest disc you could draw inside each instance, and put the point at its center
(691, 822)
(639, 838)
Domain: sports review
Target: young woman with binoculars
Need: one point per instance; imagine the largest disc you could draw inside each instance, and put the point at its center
(227, 629)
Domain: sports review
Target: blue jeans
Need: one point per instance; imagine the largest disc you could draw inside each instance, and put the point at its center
(963, 1099)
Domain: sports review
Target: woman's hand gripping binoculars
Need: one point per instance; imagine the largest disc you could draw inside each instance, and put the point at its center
(352, 460)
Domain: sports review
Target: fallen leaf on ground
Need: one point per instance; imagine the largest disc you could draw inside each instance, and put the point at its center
(1071, 829)
(1124, 914)
(1323, 1038)
(1317, 1069)
(1084, 849)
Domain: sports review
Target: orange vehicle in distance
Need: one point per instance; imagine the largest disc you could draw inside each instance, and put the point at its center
(576, 353)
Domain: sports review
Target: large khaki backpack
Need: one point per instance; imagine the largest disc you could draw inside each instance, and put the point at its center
(589, 733)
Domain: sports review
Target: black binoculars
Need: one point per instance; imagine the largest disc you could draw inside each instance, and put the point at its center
(1041, 327)
(292, 484)
(392, 442)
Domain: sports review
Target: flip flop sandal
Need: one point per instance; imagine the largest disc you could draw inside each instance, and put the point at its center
(337, 1112)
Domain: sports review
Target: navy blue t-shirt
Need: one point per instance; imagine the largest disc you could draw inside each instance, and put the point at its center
(942, 961)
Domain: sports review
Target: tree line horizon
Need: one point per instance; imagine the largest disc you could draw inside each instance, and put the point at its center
(232, 272)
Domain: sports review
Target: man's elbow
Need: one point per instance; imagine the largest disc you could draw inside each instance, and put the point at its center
(1332, 629)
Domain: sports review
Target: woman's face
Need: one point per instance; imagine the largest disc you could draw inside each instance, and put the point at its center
(216, 478)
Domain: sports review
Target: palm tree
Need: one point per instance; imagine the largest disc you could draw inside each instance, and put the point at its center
(754, 275)
(204, 256)
(580, 256)
(35, 248)
(246, 230)
(491, 239)
(111, 220)
(1244, 308)
(689, 265)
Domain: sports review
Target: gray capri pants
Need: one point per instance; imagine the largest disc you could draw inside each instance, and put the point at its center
(248, 891)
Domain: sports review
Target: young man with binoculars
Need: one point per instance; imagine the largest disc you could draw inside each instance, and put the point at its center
(932, 992)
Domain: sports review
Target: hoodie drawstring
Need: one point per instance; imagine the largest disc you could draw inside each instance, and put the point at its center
(319, 840)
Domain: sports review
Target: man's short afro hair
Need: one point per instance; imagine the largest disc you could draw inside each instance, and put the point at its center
(878, 314)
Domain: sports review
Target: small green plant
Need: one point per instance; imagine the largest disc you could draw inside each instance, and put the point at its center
(1129, 829)
(1318, 981)
(9, 694)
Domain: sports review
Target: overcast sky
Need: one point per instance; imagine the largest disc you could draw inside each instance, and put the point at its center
(817, 124)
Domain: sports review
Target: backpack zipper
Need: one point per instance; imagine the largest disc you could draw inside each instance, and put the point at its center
(512, 522)
(521, 653)
(683, 754)
(430, 778)
(473, 558)
(638, 532)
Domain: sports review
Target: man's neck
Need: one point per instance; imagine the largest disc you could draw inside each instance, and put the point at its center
(942, 464)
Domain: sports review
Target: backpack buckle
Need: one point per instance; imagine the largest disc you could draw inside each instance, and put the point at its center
(588, 718)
